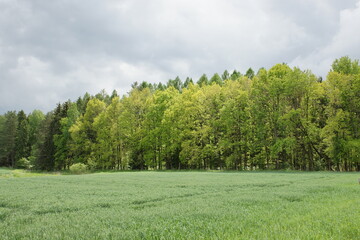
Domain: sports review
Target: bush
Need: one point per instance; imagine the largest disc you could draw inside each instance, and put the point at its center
(78, 168)
(23, 163)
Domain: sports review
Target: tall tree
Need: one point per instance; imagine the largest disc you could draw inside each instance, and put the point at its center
(2, 139)
(225, 75)
(187, 82)
(8, 139)
(250, 73)
(155, 140)
(135, 108)
(235, 75)
(234, 119)
(22, 146)
(63, 141)
(35, 121)
(345, 65)
(216, 79)
(84, 134)
(110, 138)
(43, 146)
(342, 131)
(203, 80)
(176, 83)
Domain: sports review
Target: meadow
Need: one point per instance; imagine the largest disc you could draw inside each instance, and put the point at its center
(180, 205)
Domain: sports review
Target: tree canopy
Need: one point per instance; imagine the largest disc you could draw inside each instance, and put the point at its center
(280, 118)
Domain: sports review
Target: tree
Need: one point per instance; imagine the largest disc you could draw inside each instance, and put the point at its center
(176, 83)
(62, 141)
(346, 66)
(235, 75)
(250, 73)
(216, 79)
(114, 94)
(203, 81)
(135, 107)
(84, 134)
(342, 131)
(82, 103)
(8, 139)
(42, 149)
(110, 138)
(155, 141)
(51, 128)
(35, 120)
(225, 75)
(234, 119)
(178, 122)
(103, 96)
(281, 118)
(160, 86)
(2, 139)
(22, 147)
(187, 82)
(192, 119)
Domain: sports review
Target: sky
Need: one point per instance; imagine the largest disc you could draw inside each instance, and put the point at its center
(52, 51)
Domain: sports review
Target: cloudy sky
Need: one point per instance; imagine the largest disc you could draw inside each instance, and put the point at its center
(51, 51)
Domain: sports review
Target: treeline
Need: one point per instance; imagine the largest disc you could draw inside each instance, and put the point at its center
(280, 118)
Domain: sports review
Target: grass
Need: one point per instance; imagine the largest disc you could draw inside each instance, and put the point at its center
(181, 205)
(11, 173)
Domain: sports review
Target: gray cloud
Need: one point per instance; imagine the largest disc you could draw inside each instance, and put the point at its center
(52, 51)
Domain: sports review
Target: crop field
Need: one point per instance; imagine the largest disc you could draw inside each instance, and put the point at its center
(180, 205)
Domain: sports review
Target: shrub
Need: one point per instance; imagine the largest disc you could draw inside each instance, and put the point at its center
(78, 168)
(23, 163)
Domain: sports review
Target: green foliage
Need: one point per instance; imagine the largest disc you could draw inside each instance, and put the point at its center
(24, 163)
(78, 168)
(345, 65)
(203, 80)
(281, 118)
(235, 75)
(20, 173)
(63, 141)
(8, 132)
(36, 119)
(52, 128)
(110, 135)
(225, 75)
(216, 79)
(176, 83)
(250, 73)
(84, 134)
(43, 143)
(22, 147)
(187, 82)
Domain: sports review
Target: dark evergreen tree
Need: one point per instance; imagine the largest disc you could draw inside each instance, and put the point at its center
(225, 75)
(203, 81)
(187, 82)
(250, 73)
(22, 144)
(216, 79)
(44, 146)
(176, 83)
(235, 75)
(7, 139)
(114, 94)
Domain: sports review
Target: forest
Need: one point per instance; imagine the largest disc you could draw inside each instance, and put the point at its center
(280, 118)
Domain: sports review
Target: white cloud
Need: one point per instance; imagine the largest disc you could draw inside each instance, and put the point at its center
(52, 51)
(345, 42)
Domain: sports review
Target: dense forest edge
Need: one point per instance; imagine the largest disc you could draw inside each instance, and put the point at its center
(281, 118)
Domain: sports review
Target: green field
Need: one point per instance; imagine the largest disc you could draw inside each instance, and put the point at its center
(181, 205)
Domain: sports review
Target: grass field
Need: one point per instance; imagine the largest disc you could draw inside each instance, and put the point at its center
(181, 205)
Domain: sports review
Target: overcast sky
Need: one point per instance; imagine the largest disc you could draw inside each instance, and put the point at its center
(51, 51)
